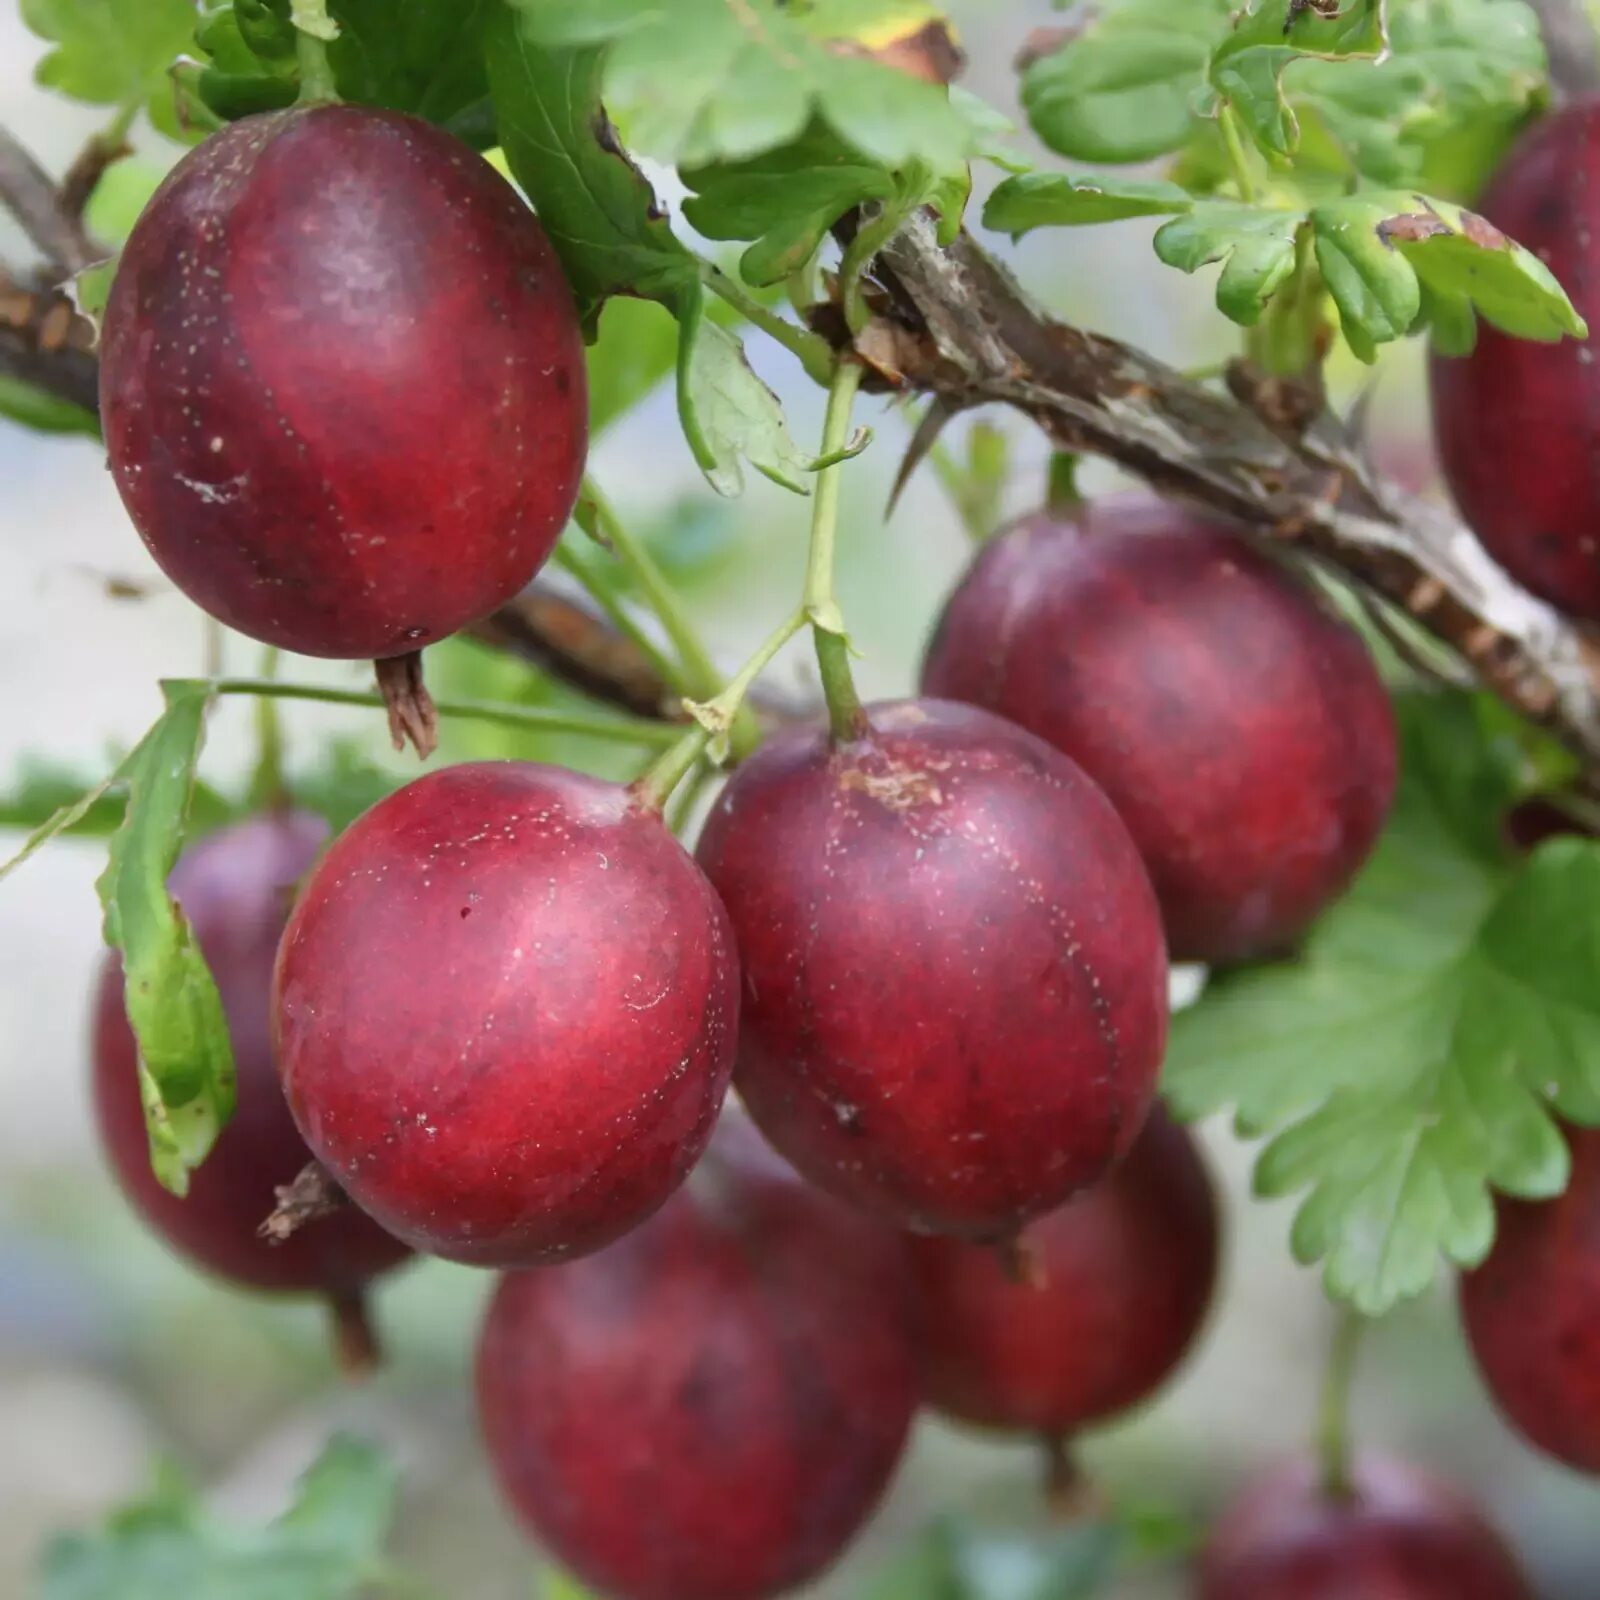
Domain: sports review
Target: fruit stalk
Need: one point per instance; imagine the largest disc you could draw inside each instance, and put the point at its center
(1333, 1412)
(833, 647)
(314, 30)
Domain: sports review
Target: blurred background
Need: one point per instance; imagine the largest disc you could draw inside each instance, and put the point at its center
(112, 1355)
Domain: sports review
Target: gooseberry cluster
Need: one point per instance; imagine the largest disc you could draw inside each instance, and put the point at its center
(929, 948)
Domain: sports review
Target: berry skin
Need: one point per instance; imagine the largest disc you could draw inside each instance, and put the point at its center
(506, 1007)
(1118, 1282)
(712, 1407)
(1532, 1313)
(235, 887)
(1516, 422)
(955, 987)
(342, 382)
(1399, 1535)
(1240, 730)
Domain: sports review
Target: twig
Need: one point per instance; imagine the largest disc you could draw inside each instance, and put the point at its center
(969, 335)
(1571, 44)
(31, 196)
(569, 642)
(44, 342)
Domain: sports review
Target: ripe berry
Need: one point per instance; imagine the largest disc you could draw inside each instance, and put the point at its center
(1532, 1313)
(506, 1007)
(1116, 1284)
(1515, 420)
(1239, 729)
(955, 987)
(710, 1408)
(236, 887)
(342, 382)
(1398, 1535)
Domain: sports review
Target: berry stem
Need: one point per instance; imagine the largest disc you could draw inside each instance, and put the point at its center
(356, 1350)
(315, 30)
(1333, 1412)
(713, 719)
(813, 351)
(623, 730)
(845, 716)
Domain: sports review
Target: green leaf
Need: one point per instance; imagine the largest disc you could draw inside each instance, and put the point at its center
(700, 81)
(326, 1546)
(185, 1057)
(1123, 87)
(602, 217)
(1256, 245)
(596, 206)
(1378, 250)
(110, 52)
(1059, 199)
(728, 412)
(785, 200)
(42, 412)
(425, 57)
(1411, 1060)
(1247, 68)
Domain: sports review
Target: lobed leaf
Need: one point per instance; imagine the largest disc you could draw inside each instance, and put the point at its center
(110, 52)
(1379, 251)
(327, 1546)
(1269, 36)
(700, 82)
(1124, 86)
(1255, 244)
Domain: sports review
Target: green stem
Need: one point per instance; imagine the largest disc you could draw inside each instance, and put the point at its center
(268, 788)
(1228, 122)
(623, 730)
(605, 596)
(1333, 1411)
(1288, 340)
(813, 351)
(870, 238)
(315, 30)
(698, 676)
(822, 609)
(716, 717)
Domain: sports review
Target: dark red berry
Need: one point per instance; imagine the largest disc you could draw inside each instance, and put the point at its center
(955, 987)
(710, 1408)
(1532, 1313)
(236, 888)
(1398, 1535)
(506, 1008)
(1518, 423)
(342, 382)
(1240, 730)
(1111, 1294)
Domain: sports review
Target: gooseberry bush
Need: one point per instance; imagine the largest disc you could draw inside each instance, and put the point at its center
(853, 1087)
